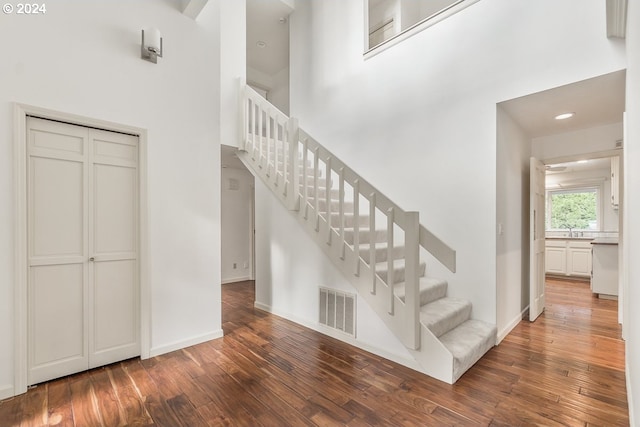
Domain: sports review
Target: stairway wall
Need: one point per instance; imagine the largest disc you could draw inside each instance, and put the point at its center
(419, 119)
(289, 269)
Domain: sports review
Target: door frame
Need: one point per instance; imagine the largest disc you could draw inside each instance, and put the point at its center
(21, 111)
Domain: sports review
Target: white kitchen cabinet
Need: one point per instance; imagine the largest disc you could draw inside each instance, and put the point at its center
(556, 257)
(568, 257)
(578, 260)
(604, 281)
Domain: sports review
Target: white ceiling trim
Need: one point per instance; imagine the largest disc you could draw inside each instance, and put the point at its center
(192, 8)
(616, 18)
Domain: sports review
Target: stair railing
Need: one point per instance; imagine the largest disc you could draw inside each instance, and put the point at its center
(287, 158)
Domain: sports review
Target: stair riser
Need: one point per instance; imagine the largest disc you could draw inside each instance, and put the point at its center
(381, 254)
(365, 236)
(335, 206)
(445, 325)
(349, 220)
(310, 182)
(399, 273)
(431, 295)
(334, 194)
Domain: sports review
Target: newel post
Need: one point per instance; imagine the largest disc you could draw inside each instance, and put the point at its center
(243, 131)
(293, 163)
(412, 279)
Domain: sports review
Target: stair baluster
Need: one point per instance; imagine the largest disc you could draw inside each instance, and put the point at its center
(391, 276)
(356, 225)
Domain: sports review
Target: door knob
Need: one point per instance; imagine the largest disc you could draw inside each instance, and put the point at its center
(92, 259)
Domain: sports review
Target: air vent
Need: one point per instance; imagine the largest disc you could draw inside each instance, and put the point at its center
(338, 310)
(233, 184)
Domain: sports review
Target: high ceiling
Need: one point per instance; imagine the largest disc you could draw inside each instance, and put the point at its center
(268, 35)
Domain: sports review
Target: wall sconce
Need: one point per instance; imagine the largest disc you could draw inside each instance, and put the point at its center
(151, 45)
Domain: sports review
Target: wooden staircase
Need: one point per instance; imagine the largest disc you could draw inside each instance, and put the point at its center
(376, 244)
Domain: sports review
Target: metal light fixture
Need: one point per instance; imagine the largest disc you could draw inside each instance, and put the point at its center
(151, 45)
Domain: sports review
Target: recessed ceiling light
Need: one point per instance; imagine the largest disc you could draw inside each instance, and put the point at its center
(261, 44)
(564, 116)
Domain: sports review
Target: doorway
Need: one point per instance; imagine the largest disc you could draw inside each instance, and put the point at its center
(526, 127)
(237, 218)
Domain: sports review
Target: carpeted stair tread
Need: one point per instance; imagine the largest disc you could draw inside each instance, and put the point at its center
(468, 343)
(431, 289)
(444, 314)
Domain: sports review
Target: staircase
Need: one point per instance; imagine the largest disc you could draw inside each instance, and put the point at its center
(377, 245)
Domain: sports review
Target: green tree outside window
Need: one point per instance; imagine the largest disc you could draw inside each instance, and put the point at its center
(573, 209)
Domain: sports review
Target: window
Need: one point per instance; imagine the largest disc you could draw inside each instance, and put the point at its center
(576, 209)
(390, 21)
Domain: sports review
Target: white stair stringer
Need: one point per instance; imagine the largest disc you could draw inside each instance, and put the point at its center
(442, 336)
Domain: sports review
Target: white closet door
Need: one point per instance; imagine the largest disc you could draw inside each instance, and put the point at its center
(113, 242)
(83, 248)
(57, 242)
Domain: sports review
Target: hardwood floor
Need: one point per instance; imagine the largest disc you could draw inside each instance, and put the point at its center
(567, 368)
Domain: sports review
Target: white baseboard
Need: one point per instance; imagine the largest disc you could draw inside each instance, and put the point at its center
(6, 392)
(340, 336)
(632, 418)
(514, 322)
(235, 279)
(177, 345)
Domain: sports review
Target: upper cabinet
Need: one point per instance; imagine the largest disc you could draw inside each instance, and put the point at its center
(615, 182)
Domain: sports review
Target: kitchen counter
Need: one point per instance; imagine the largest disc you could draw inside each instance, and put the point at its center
(605, 241)
(570, 238)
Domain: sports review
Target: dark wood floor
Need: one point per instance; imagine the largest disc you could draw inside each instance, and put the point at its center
(567, 368)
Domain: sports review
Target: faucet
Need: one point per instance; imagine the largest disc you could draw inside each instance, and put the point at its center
(570, 232)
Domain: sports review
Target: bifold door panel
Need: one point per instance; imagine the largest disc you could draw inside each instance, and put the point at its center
(83, 276)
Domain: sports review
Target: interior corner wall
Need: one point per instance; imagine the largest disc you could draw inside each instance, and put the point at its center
(632, 206)
(83, 58)
(290, 269)
(236, 205)
(418, 120)
(512, 223)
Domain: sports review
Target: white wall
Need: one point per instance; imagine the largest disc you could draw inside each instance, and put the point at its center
(233, 66)
(512, 223)
(84, 58)
(290, 268)
(236, 228)
(279, 93)
(418, 120)
(632, 207)
(571, 144)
